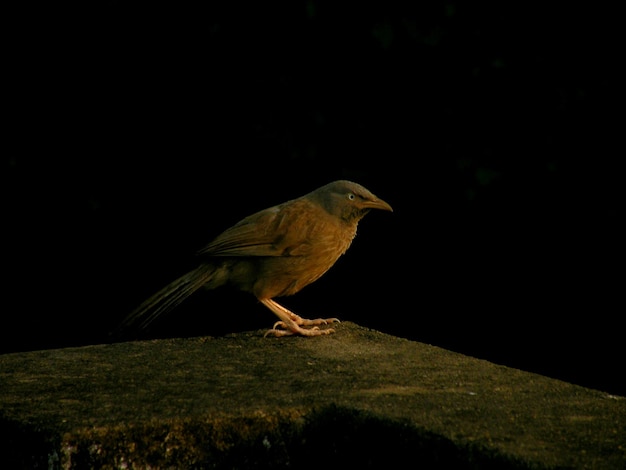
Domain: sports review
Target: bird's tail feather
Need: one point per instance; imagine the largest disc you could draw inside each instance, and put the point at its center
(166, 299)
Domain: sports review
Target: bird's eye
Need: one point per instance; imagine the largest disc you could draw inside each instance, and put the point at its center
(351, 196)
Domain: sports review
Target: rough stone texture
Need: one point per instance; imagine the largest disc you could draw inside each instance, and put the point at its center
(358, 397)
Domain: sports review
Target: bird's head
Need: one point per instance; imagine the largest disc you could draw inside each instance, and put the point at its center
(348, 200)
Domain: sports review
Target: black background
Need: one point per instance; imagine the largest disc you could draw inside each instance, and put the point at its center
(137, 131)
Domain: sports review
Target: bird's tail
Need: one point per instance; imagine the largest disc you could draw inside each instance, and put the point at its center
(167, 298)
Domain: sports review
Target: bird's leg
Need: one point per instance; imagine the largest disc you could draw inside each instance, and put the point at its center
(291, 324)
(299, 320)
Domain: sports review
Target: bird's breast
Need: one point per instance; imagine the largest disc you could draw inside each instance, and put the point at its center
(303, 262)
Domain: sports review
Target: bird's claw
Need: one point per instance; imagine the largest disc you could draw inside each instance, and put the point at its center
(318, 321)
(278, 324)
(315, 331)
(281, 328)
(292, 324)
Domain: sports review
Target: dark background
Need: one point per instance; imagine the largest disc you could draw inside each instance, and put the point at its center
(137, 131)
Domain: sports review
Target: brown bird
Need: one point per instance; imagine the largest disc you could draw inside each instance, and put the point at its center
(274, 253)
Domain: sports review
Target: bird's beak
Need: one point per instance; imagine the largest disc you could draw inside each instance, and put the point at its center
(377, 204)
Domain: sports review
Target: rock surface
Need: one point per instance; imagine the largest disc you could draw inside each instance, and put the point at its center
(358, 397)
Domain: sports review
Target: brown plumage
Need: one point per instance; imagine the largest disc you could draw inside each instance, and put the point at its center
(274, 253)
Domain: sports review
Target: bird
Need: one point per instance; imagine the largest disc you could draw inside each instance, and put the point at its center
(273, 253)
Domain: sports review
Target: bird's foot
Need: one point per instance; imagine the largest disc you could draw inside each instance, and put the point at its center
(298, 320)
(315, 331)
(292, 324)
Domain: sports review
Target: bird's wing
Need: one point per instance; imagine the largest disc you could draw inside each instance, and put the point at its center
(278, 231)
